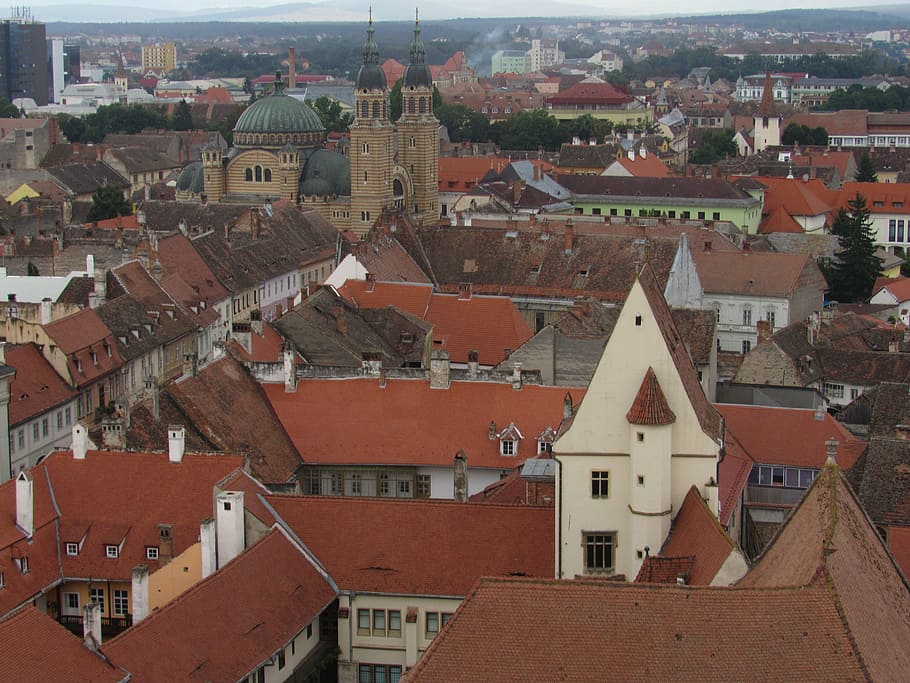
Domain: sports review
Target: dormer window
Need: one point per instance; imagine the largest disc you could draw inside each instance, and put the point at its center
(508, 447)
(509, 439)
(94, 358)
(22, 564)
(72, 549)
(78, 365)
(112, 551)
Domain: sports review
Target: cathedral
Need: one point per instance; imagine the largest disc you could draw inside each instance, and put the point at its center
(279, 152)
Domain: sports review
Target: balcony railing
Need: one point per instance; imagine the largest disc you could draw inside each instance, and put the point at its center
(110, 626)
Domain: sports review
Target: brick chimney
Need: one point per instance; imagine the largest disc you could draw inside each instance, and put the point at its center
(165, 543)
(473, 363)
(465, 291)
(370, 283)
(461, 477)
(764, 330)
(569, 236)
(439, 369)
(831, 451)
(292, 69)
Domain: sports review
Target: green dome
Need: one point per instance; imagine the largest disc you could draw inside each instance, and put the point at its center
(326, 173)
(278, 113)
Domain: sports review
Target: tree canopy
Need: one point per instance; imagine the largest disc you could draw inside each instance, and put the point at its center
(796, 134)
(464, 124)
(330, 113)
(108, 202)
(865, 170)
(714, 145)
(851, 274)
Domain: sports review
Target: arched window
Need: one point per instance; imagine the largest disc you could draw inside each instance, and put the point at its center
(410, 105)
(248, 175)
(364, 110)
(268, 175)
(423, 105)
(259, 174)
(375, 110)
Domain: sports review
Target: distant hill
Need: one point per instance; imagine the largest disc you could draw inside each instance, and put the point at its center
(816, 20)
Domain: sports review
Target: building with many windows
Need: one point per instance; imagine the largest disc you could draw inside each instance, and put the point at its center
(23, 59)
(159, 57)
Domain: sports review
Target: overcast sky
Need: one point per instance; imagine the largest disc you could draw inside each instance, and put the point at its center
(46, 10)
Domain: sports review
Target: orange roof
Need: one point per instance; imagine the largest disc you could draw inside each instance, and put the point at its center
(421, 547)
(461, 323)
(232, 622)
(754, 273)
(460, 174)
(798, 197)
(214, 95)
(779, 221)
(131, 509)
(650, 406)
(789, 436)
(899, 288)
(880, 197)
(393, 70)
(130, 222)
(408, 423)
(36, 387)
(590, 92)
(38, 649)
(264, 348)
(81, 335)
(178, 256)
(645, 167)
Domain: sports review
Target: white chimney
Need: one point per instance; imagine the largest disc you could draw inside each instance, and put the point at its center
(90, 265)
(176, 437)
(140, 593)
(25, 503)
(229, 525)
(208, 543)
(81, 443)
(47, 308)
(91, 626)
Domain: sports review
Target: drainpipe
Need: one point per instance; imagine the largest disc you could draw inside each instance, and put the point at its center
(558, 515)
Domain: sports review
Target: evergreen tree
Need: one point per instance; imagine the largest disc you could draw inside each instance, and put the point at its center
(865, 171)
(852, 274)
(108, 202)
(183, 116)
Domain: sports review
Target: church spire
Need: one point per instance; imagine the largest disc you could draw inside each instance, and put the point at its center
(370, 48)
(766, 108)
(418, 52)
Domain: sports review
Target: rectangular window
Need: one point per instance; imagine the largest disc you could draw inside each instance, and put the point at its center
(701, 215)
(151, 552)
(363, 622)
(72, 549)
(715, 216)
(34, 431)
(833, 390)
(112, 551)
(507, 447)
(599, 549)
(423, 485)
(21, 439)
(71, 601)
(600, 484)
(769, 316)
(595, 211)
(747, 317)
(627, 212)
(614, 212)
(900, 230)
(59, 420)
(394, 622)
(404, 488)
(121, 602)
(892, 230)
(378, 622)
(96, 595)
(281, 659)
(747, 346)
(432, 622)
(45, 427)
(68, 413)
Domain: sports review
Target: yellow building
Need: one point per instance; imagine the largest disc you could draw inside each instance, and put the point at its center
(159, 57)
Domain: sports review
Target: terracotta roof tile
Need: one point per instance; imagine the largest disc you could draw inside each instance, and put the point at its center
(404, 554)
(37, 387)
(35, 649)
(79, 336)
(585, 92)
(273, 591)
(756, 273)
(650, 406)
(660, 569)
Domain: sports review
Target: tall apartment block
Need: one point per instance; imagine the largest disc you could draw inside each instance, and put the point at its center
(23, 59)
(159, 57)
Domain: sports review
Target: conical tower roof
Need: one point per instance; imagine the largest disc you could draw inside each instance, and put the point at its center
(371, 75)
(417, 74)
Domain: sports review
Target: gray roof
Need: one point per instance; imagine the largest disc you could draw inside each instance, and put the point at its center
(78, 179)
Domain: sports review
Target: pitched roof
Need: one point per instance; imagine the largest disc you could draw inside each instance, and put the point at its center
(460, 174)
(87, 178)
(271, 592)
(650, 406)
(645, 189)
(639, 633)
(36, 387)
(402, 423)
(789, 436)
(177, 256)
(779, 220)
(36, 649)
(884, 486)
(660, 569)
(591, 93)
(756, 273)
(81, 335)
(829, 540)
(899, 288)
(421, 547)
(386, 260)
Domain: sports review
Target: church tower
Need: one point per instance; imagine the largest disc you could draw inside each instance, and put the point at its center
(213, 168)
(372, 142)
(766, 131)
(418, 134)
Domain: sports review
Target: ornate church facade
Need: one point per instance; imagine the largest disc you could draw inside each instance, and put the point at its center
(279, 152)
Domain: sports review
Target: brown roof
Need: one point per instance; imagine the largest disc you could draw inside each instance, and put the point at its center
(36, 649)
(421, 547)
(659, 569)
(828, 540)
(650, 406)
(598, 630)
(79, 336)
(231, 623)
(37, 387)
(591, 93)
(644, 188)
(756, 273)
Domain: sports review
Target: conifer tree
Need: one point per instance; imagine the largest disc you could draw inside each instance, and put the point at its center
(865, 171)
(852, 273)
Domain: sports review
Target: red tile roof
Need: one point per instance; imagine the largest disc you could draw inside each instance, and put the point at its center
(130, 222)
(798, 197)
(659, 569)
(355, 421)
(829, 540)
(130, 509)
(732, 474)
(754, 272)
(36, 387)
(178, 256)
(421, 547)
(645, 167)
(461, 174)
(597, 630)
(696, 532)
(898, 287)
(36, 649)
(231, 623)
(590, 93)
(888, 198)
(78, 336)
(789, 436)
(650, 406)
(264, 348)
(461, 323)
(779, 220)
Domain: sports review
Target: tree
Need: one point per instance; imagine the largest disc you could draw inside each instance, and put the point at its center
(334, 120)
(183, 116)
(865, 170)
(851, 274)
(9, 110)
(795, 134)
(72, 127)
(464, 124)
(108, 202)
(530, 129)
(714, 145)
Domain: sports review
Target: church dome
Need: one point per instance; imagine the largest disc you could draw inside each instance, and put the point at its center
(191, 178)
(326, 173)
(278, 113)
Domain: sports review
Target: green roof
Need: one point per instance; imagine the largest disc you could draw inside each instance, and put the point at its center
(278, 113)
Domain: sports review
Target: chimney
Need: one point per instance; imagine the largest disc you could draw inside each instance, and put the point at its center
(47, 309)
(176, 438)
(151, 386)
(893, 346)
(831, 451)
(464, 291)
(289, 357)
(292, 69)
(439, 369)
(229, 528)
(256, 321)
(90, 266)
(254, 222)
(382, 379)
(569, 236)
(712, 496)
(25, 505)
(461, 477)
(567, 409)
(209, 546)
(140, 590)
(517, 187)
(764, 330)
(516, 376)
(112, 433)
(371, 363)
(81, 442)
(91, 626)
(820, 411)
(473, 363)
(370, 283)
(165, 543)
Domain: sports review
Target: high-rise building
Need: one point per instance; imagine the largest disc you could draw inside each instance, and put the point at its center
(23, 59)
(159, 57)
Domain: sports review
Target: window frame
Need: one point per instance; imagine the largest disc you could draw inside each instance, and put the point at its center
(120, 602)
(111, 552)
(600, 484)
(591, 541)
